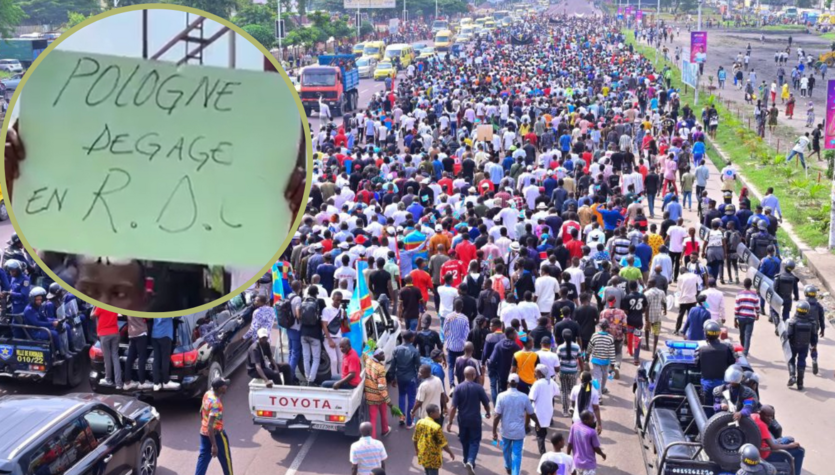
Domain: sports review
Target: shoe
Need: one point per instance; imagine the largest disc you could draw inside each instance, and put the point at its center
(605, 391)
(146, 385)
(119, 387)
(402, 423)
(157, 387)
(386, 433)
(171, 385)
(104, 382)
(617, 373)
(130, 385)
(792, 381)
(736, 281)
(722, 281)
(469, 467)
(814, 367)
(410, 426)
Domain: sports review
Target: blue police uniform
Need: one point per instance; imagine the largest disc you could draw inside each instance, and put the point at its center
(19, 293)
(34, 317)
(4, 280)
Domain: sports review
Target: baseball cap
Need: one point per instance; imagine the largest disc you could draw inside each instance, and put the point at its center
(513, 378)
(263, 333)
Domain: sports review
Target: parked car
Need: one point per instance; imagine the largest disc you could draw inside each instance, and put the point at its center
(207, 345)
(8, 86)
(366, 66)
(78, 434)
(11, 66)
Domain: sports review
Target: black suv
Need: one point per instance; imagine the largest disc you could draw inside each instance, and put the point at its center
(197, 357)
(78, 433)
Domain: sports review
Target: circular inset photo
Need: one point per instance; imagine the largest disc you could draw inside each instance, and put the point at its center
(155, 163)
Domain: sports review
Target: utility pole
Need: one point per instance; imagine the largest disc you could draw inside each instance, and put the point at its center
(436, 9)
(698, 71)
(404, 13)
(832, 218)
(280, 34)
(658, 27)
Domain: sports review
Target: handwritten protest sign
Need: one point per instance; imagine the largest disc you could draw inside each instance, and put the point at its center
(484, 133)
(141, 159)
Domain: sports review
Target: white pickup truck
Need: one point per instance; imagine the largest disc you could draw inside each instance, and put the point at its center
(310, 407)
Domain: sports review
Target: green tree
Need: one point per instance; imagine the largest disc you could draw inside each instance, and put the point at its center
(221, 8)
(262, 34)
(10, 16)
(256, 14)
(54, 12)
(687, 6)
(74, 18)
(366, 28)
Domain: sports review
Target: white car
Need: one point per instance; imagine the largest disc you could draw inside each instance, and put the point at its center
(366, 66)
(11, 66)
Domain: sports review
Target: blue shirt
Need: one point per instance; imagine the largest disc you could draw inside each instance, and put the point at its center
(163, 328)
(456, 328)
(610, 218)
(675, 210)
(695, 326)
(643, 251)
(770, 266)
(513, 405)
(19, 292)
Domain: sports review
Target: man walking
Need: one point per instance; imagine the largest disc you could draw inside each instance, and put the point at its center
(456, 328)
(467, 401)
(584, 443)
(406, 365)
(430, 440)
(745, 314)
(512, 409)
(213, 439)
(367, 453)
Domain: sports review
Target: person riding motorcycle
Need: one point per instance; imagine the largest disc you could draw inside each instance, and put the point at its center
(816, 316)
(801, 335)
(713, 357)
(33, 315)
(733, 396)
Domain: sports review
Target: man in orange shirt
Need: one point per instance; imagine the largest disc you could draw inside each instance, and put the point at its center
(441, 237)
(421, 279)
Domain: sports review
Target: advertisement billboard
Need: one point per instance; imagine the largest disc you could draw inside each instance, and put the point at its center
(354, 4)
(829, 127)
(689, 73)
(698, 46)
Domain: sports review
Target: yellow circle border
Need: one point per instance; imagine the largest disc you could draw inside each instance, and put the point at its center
(302, 117)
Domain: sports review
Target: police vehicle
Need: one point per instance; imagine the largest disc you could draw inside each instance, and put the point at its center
(678, 433)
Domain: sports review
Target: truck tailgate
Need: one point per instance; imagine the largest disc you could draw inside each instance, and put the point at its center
(302, 407)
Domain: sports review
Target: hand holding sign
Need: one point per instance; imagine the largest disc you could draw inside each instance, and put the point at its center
(138, 159)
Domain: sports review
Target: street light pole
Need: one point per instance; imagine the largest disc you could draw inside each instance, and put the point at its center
(436, 9)
(698, 70)
(280, 34)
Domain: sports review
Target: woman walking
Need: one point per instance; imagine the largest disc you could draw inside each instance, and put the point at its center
(571, 362)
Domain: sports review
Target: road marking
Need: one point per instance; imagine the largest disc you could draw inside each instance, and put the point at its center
(364, 90)
(297, 462)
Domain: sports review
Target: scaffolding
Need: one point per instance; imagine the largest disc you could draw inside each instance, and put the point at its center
(193, 39)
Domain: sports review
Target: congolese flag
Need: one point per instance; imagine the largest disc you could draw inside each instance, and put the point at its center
(282, 275)
(359, 307)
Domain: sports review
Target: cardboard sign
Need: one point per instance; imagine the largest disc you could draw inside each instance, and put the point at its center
(130, 158)
(484, 133)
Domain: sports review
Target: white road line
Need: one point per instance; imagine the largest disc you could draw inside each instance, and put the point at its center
(297, 462)
(364, 90)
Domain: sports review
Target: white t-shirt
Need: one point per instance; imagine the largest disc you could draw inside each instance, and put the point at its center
(565, 462)
(429, 392)
(369, 459)
(545, 290)
(593, 401)
(509, 311)
(542, 396)
(447, 294)
(530, 313)
(677, 235)
(329, 313)
(549, 359)
(348, 274)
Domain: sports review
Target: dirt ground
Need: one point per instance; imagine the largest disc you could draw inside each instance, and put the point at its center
(723, 47)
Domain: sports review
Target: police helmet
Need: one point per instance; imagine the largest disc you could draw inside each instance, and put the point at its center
(712, 330)
(803, 307)
(13, 264)
(14, 239)
(54, 290)
(750, 377)
(730, 209)
(36, 292)
(715, 223)
(810, 291)
(733, 374)
(789, 265)
(749, 455)
(762, 225)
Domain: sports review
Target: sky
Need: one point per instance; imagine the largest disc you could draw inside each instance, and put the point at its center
(121, 35)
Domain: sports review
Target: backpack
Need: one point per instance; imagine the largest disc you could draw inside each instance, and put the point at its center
(286, 319)
(310, 312)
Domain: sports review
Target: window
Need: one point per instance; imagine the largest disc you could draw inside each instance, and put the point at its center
(237, 303)
(318, 79)
(61, 451)
(102, 424)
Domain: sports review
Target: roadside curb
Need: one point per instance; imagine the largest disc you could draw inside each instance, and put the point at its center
(818, 261)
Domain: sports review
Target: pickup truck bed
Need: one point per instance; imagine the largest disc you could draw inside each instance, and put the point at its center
(306, 407)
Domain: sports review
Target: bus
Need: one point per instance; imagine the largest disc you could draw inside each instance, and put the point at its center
(498, 15)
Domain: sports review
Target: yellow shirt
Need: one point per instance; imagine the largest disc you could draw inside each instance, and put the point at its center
(525, 363)
(655, 241)
(430, 441)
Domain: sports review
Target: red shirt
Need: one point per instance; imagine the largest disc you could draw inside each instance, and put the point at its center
(465, 250)
(106, 322)
(575, 248)
(485, 185)
(423, 281)
(456, 268)
(566, 231)
(365, 196)
(446, 183)
(351, 364)
(765, 450)
(327, 245)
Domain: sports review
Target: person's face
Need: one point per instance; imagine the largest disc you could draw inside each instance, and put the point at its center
(344, 346)
(118, 285)
(38, 301)
(337, 300)
(264, 341)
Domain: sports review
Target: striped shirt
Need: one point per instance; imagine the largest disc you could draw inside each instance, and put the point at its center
(602, 347)
(367, 454)
(568, 365)
(456, 329)
(747, 306)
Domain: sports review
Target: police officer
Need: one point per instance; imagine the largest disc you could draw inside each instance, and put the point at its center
(33, 316)
(750, 462)
(713, 357)
(730, 217)
(18, 291)
(769, 266)
(733, 396)
(816, 317)
(785, 284)
(800, 334)
(760, 240)
(54, 301)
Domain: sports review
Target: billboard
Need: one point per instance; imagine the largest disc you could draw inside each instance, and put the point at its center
(689, 73)
(829, 127)
(698, 46)
(369, 4)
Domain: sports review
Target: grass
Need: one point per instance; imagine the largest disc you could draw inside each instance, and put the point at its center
(828, 36)
(4, 74)
(784, 28)
(805, 203)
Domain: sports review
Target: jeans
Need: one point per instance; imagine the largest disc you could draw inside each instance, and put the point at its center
(512, 451)
(800, 154)
(335, 355)
(687, 199)
(470, 437)
(406, 393)
(311, 348)
(378, 411)
(110, 350)
(541, 435)
(431, 471)
(746, 329)
(294, 342)
(162, 359)
(651, 204)
(676, 257)
(601, 374)
(714, 269)
(494, 387)
(798, 454)
(224, 455)
(708, 385)
(450, 363)
(138, 348)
